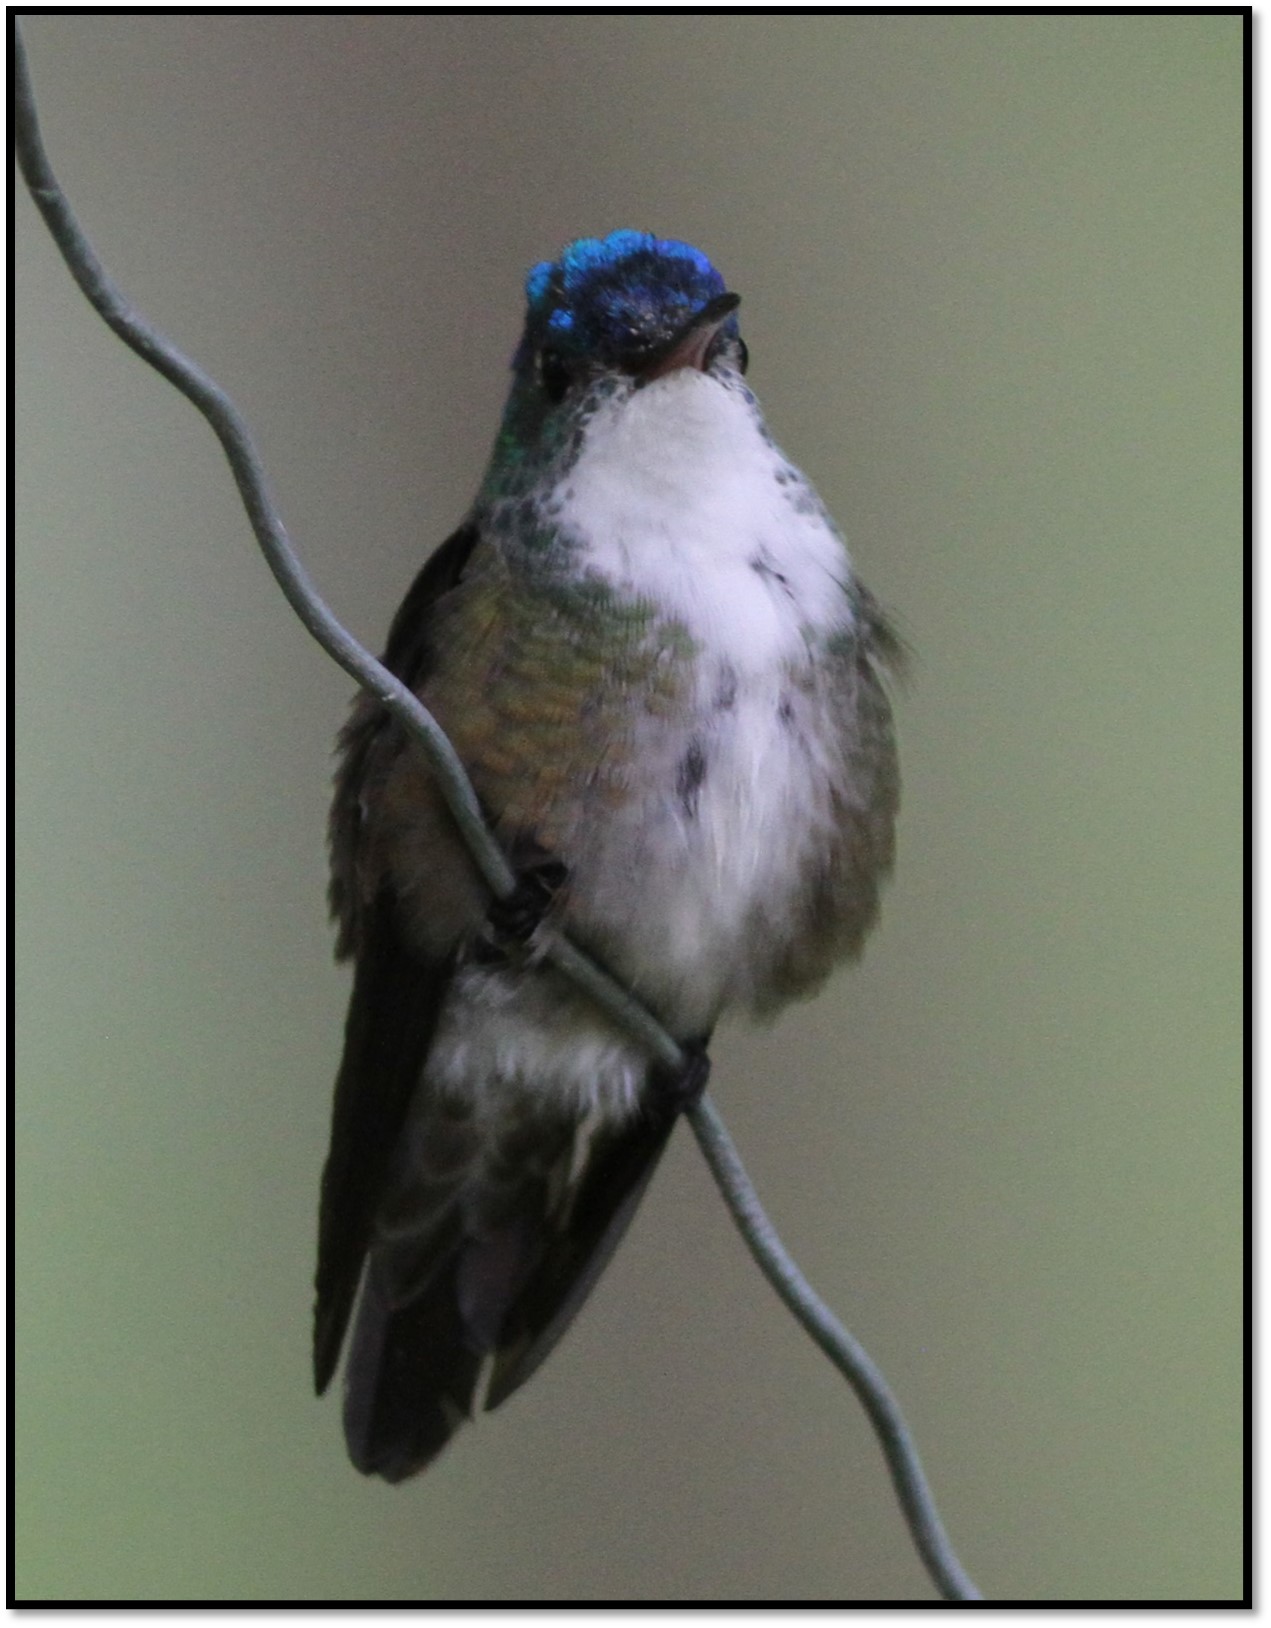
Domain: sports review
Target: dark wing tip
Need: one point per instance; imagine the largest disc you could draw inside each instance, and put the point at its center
(619, 1167)
(329, 1323)
(412, 1373)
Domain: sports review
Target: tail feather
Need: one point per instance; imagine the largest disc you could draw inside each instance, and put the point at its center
(459, 1232)
(498, 1268)
(397, 996)
(410, 1379)
(607, 1194)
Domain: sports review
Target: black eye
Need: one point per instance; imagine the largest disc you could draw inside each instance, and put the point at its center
(743, 355)
(554, 374)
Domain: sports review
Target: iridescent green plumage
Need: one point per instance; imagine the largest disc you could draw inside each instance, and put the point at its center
(546, 694)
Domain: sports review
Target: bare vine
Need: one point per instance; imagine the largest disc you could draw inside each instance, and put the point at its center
(843, 1350)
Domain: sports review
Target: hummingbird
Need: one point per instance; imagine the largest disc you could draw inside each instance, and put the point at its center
(669, 687)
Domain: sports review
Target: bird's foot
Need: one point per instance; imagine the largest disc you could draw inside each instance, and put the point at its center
(676, 1089)
(511, 923)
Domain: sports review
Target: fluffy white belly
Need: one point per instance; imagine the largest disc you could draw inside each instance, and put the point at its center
(686, 894)
(680, 499)
(691, 887)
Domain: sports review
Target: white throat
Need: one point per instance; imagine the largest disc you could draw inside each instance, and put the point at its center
(680, 498)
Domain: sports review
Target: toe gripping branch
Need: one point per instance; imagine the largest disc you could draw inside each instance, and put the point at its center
(678, 1089)
(511, 923)
(506, 935)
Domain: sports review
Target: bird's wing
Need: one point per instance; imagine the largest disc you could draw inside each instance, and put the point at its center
(582, 1235)
(397, 990)
(484, 1232)
(371, 739)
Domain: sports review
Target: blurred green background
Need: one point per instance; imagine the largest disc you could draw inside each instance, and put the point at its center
(992, 275)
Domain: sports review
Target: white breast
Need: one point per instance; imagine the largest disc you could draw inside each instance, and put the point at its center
(680, 497)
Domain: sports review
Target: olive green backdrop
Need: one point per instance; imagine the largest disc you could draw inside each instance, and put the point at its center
(992, 276)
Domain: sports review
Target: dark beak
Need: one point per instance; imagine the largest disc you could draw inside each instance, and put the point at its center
(689, 346)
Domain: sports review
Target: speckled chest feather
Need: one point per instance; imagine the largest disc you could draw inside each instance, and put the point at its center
(680, 704)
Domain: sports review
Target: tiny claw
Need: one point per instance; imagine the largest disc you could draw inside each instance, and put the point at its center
(679, 1088)
(511, 923)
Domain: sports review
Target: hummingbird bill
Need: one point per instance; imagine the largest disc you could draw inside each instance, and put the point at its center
(669, 688)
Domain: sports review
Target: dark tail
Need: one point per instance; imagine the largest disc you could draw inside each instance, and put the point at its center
(498, 1272)
(410, 1378)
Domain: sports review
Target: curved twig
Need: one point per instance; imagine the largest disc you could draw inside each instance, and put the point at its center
(846, 1352)
(717, 1146)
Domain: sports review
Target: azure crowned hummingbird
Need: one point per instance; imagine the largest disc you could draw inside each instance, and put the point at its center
(650, 650)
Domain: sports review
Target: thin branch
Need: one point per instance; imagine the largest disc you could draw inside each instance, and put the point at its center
(122, 316)
(846, 1352)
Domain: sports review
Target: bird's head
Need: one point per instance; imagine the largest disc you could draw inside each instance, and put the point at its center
(608, 318)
